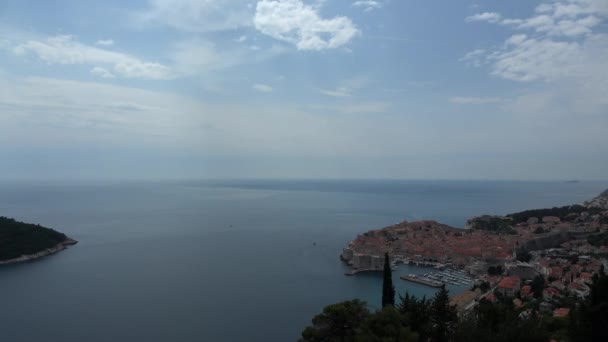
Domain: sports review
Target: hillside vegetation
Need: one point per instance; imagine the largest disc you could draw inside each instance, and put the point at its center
(19, 238)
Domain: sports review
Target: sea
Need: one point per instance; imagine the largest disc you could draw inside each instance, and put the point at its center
(222, 260)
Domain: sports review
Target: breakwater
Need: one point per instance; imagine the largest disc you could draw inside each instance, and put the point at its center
(417, 280)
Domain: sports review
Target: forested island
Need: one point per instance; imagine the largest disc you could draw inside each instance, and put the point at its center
(20, 242)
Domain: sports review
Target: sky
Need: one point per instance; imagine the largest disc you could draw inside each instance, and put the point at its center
(407, 89)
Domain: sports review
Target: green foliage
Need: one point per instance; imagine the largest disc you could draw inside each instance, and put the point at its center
(435, 320)
(598, 240)
(539, 230)
(523, 256)
(498, 322)
(495, 270)
(339, 322)
(484, 286)
(564, 213)
(495, 224)
(384, 326)
(588, 322)
(443, 316)
(18, 238)
(388, 289)
(538, 284)
(416, 314)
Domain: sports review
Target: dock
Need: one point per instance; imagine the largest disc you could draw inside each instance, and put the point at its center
(417, 280)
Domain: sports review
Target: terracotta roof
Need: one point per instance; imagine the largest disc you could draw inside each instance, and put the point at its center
(509, 282)
(552, 291)
(561, 312)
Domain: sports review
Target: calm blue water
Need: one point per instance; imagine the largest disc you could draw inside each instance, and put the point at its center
(220, 261)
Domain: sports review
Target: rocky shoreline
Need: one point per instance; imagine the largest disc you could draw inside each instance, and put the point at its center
(49, 251)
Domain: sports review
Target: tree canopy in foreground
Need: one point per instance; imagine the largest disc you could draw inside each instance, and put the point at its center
(436, 320)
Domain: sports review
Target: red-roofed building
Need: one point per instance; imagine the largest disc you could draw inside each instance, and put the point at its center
(561, 312)
(550, 292)
(558, 284)
(556, 272)
(586, 277)
(574, 287)
(491, 298)
(508, 286)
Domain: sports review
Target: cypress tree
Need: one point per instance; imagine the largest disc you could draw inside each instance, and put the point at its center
(388, 290)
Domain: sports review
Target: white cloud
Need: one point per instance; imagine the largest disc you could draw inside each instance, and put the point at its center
(561, 44)
(105, 42)
(347, 86)
(475, 100)
(339, 92)
(356, 108)
(474, 58)
(102, 72)
(195, 56)
(553, 26)
(533, 59)
(185, 58)
(262, 87)
(108, 118)
(107, 115)
(241, 39)
(197, 15)
(64, 49)
(574, 8)
(368, 5)
(300, 24)
(491, 17)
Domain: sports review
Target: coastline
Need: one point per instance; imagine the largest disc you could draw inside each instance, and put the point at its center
(46, 252)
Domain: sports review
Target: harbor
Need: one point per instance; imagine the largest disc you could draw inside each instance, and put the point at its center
(415, 279)
(444, 277)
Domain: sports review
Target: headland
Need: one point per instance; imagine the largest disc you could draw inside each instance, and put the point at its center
(485, 241)
(22, 242)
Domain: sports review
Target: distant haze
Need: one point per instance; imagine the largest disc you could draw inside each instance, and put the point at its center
(342, 89)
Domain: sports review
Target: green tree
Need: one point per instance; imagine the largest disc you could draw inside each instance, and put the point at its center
(384, 326)
(538, 284)
(523, 256)
(589, 321)
(388, 290)
(19, 238)
(337, 323)
(443, 316)
(498, 322)
(416, 314)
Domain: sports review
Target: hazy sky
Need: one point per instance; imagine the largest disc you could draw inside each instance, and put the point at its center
(304, 88)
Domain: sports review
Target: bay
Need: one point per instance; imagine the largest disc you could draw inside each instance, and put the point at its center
(221, 260)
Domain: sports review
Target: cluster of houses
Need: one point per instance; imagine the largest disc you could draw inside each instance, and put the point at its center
(565, 272)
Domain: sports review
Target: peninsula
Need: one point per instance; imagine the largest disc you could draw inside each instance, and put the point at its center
(21, 242)
(485, 241)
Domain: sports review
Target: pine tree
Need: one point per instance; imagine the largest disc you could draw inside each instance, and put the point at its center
(388, 290)
(416, 314)
(443, 316)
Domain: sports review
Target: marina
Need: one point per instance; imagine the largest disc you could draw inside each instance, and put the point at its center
(415, 279)
(436, 279)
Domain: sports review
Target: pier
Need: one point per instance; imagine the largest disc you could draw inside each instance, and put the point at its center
(415, 279)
